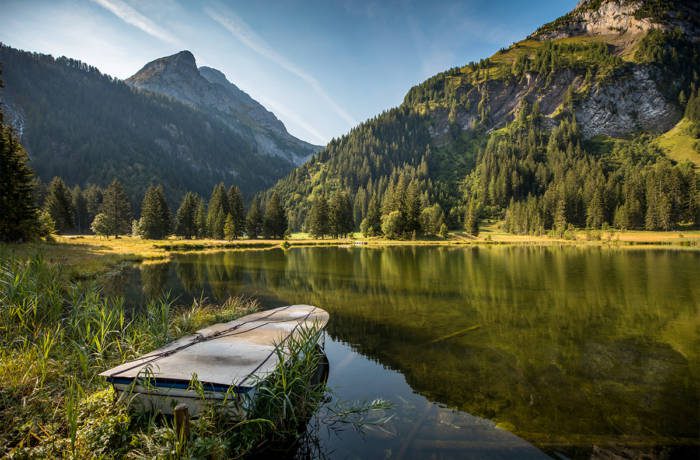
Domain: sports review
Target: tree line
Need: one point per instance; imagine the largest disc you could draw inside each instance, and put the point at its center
(108, 212)
(87, 127)
(533, 177)
(539, 180)
(30, 211)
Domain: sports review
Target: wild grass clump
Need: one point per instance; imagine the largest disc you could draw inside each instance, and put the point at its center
(280, 408)
(292, 394)
(57, 336)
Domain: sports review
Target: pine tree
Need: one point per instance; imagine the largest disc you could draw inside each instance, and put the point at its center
(155, 215)
(664, 213)
(19, 217)
(217, 211)
(254, 220)
(688, 204)
(400, 204)
(340, 215)
(46, 227)
(621, 220)
(185, 218)
(237, 210)
(413, 208)
(116, 209)
(229, 228)
(275, 219)
(166, 218)
(81, 217)
(372, 224)
(93, 199)
(200, 218)
(471, 219)
(431, 219)
(360, 205)
(318, 218)
(595, 211)
(59, 205)
(560, 216)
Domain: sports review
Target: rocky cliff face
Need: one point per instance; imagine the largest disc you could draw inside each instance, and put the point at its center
(626, 104)
(608, 18)
(629, 104)
(208, 90)
(627, 97)
(623, 17)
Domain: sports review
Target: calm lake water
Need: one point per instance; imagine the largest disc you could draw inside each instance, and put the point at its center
(485, 352)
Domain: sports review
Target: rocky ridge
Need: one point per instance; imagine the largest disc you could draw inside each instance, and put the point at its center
(622, 17)
(209, 90)
(630, 97)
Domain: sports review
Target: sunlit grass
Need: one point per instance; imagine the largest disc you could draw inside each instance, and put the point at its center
(686, 238)
(84, 257)
(679, 145)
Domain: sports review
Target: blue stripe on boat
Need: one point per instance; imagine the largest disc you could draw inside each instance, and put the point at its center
(179, 384)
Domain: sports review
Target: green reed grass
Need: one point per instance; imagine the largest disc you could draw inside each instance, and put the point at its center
(57, 335)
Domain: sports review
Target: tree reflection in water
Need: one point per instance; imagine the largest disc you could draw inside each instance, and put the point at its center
(564, 346)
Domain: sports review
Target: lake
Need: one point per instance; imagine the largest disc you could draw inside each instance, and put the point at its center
(485, 352)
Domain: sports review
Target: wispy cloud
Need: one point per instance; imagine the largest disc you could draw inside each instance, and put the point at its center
(239, 29)
(293, 118)
(128, 14)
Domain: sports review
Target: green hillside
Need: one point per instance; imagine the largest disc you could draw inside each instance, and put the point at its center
(547, 133)
(681, 143)
(88, 127)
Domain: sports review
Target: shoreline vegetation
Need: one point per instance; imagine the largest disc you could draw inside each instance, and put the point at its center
(57, 335)
(85, 256)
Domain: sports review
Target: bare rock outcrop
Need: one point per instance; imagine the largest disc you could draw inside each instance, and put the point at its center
(627, 104)
(621, 17)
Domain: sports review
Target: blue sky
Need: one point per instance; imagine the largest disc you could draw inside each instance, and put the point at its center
(320, 66)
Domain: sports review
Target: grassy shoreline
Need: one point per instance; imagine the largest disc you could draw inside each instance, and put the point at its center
(50, 396)
(85, 256)
(57, 335)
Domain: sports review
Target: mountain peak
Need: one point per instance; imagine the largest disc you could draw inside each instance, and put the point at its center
(208, 90)
(187, 54)
(184, 57)
(178, 65)
(623, 17)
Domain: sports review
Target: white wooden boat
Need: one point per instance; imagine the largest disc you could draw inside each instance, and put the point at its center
(226, 358)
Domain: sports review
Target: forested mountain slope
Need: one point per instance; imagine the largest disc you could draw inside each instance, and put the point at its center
(554, 130)
(208, 90)
(88, 127)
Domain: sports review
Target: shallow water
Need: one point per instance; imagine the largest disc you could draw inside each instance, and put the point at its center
(578, 351)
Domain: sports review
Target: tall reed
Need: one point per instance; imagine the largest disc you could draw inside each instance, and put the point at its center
(57, 335)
